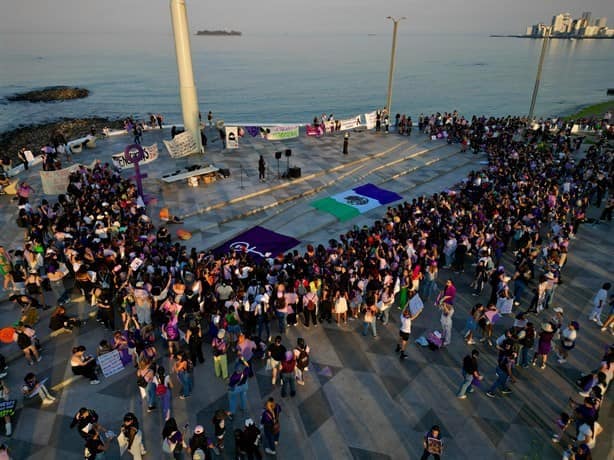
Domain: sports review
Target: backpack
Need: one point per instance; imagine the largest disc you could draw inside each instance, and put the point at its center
(287, 367)
(303, 360)
(161, 389)
(23, 340)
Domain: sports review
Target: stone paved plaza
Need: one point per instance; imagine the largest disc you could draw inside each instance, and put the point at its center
(359, 401)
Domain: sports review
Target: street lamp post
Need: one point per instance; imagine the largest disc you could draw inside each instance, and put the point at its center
(539, 73)
(392, 59)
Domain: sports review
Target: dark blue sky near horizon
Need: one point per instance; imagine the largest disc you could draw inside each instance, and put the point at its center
(292, 17)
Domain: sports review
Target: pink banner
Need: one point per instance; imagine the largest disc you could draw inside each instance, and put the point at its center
(314, 130)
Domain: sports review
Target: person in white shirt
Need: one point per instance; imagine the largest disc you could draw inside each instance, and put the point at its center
(405, 330)
(598, 303)
(568, 341)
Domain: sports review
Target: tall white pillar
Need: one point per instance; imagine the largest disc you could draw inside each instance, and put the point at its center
(187, 87)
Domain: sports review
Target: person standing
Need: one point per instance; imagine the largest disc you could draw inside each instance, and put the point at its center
(183, 367)
(310, 306)
(130, 438)
(251, 436)
(447, 311)
(270, 423)
(470, 374)
(261, 168)
(369, 319)
(220, 360)
(301, 354)
(288, 376)
(276, 354)
(568, 341)
(210, 118)
(173, 441)
(507, 358)
(544, 345)
(432, 444)
(405, 330)
(599, 301)
(162, 388)
(237, 387)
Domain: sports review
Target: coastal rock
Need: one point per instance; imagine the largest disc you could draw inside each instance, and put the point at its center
(50, 94)
(33, 137)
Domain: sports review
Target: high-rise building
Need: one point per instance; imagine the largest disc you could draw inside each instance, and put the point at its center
(601, 22)
(561, 23)
(587, 17)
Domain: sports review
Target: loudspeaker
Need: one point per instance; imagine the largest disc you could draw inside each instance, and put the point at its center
(288, 152)
(224, 172)
(277, 155)
(294, 172)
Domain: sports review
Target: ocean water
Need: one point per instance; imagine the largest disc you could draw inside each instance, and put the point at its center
(285, 78)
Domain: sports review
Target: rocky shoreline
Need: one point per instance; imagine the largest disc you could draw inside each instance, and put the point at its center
(33, 137)
(50, 94)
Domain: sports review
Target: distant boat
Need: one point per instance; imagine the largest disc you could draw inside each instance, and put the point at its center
(235, 33)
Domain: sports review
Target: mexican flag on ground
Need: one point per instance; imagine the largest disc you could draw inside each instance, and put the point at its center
(351, 203)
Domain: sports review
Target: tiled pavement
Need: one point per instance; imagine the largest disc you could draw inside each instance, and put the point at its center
(360, 401)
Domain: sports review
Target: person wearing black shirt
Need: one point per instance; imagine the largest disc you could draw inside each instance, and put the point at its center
(507, 358)
(86, 421)
(276, 353)
(470, 373)
(94, 445)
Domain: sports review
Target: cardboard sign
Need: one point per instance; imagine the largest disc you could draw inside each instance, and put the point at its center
(182, 145)
(434, 446)
(110, 363)
(232, 137)
(7, 408)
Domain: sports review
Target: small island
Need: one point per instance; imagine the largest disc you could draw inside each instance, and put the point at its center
(232, 33)
(50, 94)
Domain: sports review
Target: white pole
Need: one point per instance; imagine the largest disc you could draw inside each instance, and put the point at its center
(187, 87)
(392, 62)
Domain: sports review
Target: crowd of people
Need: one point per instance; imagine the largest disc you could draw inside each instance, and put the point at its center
(152, 293)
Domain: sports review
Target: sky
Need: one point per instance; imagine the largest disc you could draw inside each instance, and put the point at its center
(293, 17)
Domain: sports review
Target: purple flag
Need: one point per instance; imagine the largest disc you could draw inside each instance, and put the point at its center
(253, 130)
(379, 194)
(259, 243)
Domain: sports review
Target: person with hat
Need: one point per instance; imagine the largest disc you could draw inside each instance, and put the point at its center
(251, 440)
(568, 341)
(220, 360)
(199, 445)
(237, 386)
(544, 345)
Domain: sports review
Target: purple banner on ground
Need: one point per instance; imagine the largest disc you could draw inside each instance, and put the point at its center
(379, 194)
(252, 130)
(259, 242)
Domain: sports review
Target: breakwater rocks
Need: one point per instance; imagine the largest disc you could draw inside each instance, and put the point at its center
(50, 94)
(33, 137)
